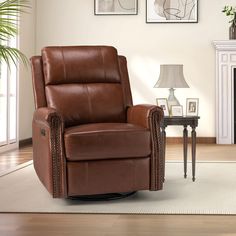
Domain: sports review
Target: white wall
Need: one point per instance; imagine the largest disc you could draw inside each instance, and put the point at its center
(72, 22)
(27, 46)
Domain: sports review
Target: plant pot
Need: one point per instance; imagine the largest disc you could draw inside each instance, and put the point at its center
(232, 31)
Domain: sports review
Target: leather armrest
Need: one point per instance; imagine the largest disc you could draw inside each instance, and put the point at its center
(143, 114)
(46, 116)
(48, 150)
(150, 116)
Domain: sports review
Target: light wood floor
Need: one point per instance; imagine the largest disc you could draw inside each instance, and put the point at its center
(13, 158)
(205, 152)
(114, 225)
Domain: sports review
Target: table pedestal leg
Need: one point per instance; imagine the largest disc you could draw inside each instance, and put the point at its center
(185, 145)
(193, 151)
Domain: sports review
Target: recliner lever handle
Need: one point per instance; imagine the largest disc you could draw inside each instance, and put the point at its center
(43, 132)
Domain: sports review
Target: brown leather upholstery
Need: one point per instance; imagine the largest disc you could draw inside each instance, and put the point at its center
(67, 65)
(87, 103)
(88, 138)
(106, 141)
(91, 177)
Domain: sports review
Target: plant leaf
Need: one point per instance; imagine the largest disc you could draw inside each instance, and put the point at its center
(9, 54)
(10, 11)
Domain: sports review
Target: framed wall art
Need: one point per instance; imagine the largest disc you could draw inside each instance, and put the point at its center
(172, 11)
(115, 7)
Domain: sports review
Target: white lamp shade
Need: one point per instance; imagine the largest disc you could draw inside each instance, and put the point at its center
(171, 76)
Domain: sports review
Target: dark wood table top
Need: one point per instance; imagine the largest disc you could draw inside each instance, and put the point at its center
(180, 120)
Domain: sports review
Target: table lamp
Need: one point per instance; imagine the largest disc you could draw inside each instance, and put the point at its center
(171, 76)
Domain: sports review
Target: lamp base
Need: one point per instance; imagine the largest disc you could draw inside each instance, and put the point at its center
(172, 100)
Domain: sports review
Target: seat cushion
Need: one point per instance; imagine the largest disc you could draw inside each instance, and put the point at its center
(106, 141)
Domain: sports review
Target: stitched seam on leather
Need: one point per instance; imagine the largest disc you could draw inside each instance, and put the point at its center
(124, 80)
(89, 103)
(123, 84)
(64, 65)
(107, 132)
(123, 87)
(103, 63)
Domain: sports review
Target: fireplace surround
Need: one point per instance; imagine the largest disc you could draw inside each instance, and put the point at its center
(225, 91)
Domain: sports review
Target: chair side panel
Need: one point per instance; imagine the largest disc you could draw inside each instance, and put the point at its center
(125, 82)
(38, 82)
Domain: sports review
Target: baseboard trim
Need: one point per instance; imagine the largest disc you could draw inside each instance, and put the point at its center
(25, 142)
(201, 140)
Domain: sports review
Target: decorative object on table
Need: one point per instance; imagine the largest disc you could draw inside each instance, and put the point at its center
(162, 102)
(176, 111)
(171, 11)
(231, 12)
(115, 7)
(192, 105)
(171, 76)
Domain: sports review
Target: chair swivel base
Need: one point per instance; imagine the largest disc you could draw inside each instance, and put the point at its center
(102, 197)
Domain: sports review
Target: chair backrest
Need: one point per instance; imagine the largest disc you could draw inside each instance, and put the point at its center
(86, 84)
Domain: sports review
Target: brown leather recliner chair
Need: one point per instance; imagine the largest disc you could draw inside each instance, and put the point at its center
(88, 138)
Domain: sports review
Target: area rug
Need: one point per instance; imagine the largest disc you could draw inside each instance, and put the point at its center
(214, 192)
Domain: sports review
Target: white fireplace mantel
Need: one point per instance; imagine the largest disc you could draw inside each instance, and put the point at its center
(225, 64)
(225, 45)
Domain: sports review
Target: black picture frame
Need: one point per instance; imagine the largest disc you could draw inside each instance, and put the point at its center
(171, 12)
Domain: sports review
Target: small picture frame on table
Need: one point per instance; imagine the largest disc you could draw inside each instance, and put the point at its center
(162, 102)
(192, 105)
(177, 110)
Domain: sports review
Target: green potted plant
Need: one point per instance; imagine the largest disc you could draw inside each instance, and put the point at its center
(230, 11)
(10, 11)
